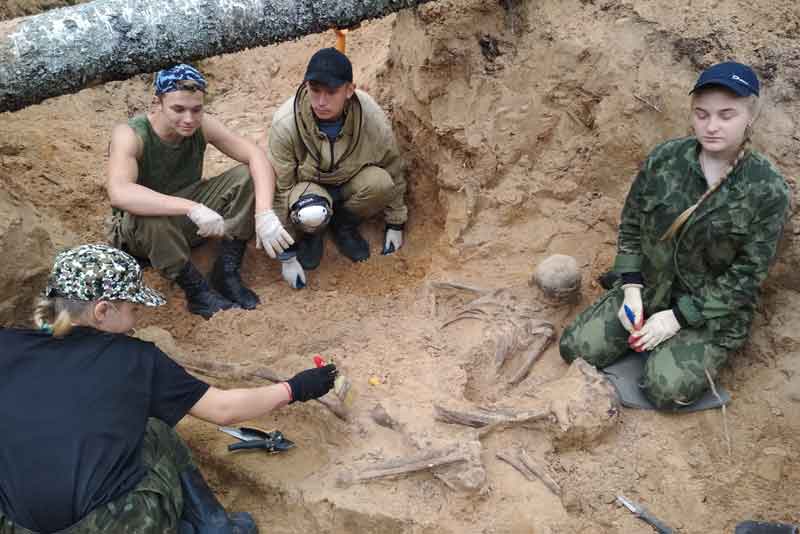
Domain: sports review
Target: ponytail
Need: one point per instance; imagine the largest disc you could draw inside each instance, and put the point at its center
(57, 316)
(676, 225)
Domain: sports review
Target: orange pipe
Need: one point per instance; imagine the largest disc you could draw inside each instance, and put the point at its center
(341, 40)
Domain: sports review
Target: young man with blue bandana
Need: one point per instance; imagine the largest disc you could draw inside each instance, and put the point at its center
(163, 207)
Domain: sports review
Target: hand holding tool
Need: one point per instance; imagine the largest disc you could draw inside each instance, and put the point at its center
(312, 383)
(341, 385)
(633, 301)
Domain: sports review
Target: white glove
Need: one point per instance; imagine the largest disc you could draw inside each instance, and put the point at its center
(292, 271)
(633, 299)
(659, 327)
(209, 222)
(392, 241)
(270, 234)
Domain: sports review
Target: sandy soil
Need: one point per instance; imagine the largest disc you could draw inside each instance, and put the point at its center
(522, 123)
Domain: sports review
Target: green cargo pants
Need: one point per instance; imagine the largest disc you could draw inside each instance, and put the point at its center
(167, 241)
(675, 369)
(154, 506)
(364, 195)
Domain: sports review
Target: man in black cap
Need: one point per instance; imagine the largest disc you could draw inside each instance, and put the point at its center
(336, 161)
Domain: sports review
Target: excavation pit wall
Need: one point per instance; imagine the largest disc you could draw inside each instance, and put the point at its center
(523, 124)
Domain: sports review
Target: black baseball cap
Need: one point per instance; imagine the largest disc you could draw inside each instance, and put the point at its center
(329, 67)
(737, 77)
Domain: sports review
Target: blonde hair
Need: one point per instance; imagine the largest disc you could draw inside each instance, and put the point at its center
(59, 315)
(743, 152)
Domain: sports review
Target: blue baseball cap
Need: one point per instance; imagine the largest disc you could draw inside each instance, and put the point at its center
(737, 77)
(330, 68)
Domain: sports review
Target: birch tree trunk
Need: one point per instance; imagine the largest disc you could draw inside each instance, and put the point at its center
(65, 50)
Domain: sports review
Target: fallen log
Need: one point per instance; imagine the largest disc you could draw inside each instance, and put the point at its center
(65, 50)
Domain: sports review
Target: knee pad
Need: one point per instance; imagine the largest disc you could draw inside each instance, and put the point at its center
(311, 213)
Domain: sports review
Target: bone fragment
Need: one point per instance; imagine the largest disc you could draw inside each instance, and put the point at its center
(382, 418)
(536, 349)
(403, 466)
(489, 419)
(540, 472)
(458, 286)
(522, 462)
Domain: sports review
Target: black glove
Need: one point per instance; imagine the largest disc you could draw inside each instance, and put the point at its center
(312, 383)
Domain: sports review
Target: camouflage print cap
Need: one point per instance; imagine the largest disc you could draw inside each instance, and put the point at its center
(99, 272)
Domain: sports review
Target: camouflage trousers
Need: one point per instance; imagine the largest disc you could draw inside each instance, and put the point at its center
(675, 369)
(154, 506)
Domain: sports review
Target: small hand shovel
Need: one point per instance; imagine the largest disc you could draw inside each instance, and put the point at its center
(255, 438)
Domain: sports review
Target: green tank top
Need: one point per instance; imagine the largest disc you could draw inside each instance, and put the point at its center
(168, 168)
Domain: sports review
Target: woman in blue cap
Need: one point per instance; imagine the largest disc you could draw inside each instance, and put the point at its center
(87, 413)
(698, 232)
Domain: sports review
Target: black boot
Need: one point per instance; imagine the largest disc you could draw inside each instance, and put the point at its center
(226, 274)
(205, 514)
(346, 236)
(200, 298)
(309, 250)
(758, 527)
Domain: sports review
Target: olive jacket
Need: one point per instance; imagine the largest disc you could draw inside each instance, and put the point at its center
(713, 268)
(301, 152)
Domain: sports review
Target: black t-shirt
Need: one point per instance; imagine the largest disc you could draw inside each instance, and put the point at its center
(73, 413)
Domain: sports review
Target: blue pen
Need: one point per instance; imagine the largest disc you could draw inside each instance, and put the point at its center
(629, 314)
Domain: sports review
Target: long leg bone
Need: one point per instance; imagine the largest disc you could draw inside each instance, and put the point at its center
(489, 418)
(536, 349)
(402, 466)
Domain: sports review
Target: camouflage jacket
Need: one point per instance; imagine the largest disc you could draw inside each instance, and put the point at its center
(713, 268)
(301, 152)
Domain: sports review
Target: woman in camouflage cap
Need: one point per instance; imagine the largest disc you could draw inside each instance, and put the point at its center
(698, 232)
(87, 412)
(84, 285)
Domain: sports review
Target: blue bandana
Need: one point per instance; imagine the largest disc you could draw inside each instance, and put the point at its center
(169, 80)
